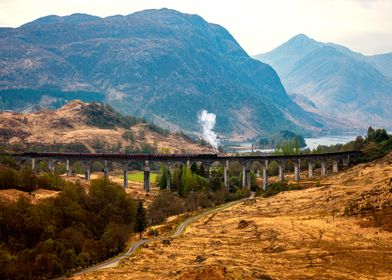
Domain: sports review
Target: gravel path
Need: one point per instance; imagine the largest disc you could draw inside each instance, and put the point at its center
(178, 231)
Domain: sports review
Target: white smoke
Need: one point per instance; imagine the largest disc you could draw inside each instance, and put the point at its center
(207, 122)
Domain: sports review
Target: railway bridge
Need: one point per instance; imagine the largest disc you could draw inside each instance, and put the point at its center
(170, 160)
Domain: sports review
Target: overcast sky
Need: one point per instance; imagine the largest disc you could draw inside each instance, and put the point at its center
(258, 25)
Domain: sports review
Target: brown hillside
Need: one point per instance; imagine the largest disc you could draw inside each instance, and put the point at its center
(304, 234)
(69, 127)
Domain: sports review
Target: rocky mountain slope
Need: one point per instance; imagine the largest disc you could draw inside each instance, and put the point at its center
(338, 81)
(309, 231)
(84, 127)
(159, 64)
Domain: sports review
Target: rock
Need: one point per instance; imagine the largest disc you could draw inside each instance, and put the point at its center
(166, 242)
(244, 224)
(200, 259)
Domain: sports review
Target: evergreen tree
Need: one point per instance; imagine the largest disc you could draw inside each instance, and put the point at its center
(163, 178)
(141, 220)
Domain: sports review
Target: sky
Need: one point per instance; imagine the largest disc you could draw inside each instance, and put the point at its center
(258, 25)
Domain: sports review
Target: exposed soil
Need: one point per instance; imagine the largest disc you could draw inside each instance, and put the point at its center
(12, 195)
(303, 234)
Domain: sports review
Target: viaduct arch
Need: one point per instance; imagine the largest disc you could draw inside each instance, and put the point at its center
(107, 159)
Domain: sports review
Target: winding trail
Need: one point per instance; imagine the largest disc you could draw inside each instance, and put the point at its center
(177, 232)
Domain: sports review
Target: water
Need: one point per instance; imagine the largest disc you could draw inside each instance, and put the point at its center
(312, 143)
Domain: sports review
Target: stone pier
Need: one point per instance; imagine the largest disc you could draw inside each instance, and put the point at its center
(243, 177)
(346, 161)
(33, 165)
(297, 169)
(146, 177)
(87, 173)
(168, 176)
(323, 168)
(125, 179)
(225, 170)
(281, 170)
(106, 169)
(311, 165)
(265, 174)
(248, 179)
(68, 168)
(335, 166)
(51, 166)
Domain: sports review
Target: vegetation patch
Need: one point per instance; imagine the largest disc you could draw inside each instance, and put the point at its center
(73, 230)
(104, 116)
(275, 188)
(284, 136)
(139, 177)
(28, 181)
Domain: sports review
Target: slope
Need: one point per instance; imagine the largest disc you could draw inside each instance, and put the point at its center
(88, 127)
(305, 230)
(338, 81)
(159, 64)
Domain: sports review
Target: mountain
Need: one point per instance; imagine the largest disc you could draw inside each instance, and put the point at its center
(161, 65)
(89, 127)
(339, 82)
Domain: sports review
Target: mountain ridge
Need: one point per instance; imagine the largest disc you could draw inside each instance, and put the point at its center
(159, 64)
(338, 81)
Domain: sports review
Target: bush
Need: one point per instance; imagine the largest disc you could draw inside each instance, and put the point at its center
(275, 188)
(27, 180)
(165, 204)
(128, 135)
(61, 233)
(153, 232)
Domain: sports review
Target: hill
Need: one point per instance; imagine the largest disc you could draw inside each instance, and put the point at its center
(311, 231)
(338, 81)
(162, 65)
(88, 127)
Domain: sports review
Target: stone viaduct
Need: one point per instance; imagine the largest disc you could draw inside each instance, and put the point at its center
(124, 160)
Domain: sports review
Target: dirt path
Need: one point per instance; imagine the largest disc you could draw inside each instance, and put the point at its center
(301, 234)
(178, 231)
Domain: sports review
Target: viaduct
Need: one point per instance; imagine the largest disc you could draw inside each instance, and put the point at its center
(170, 160)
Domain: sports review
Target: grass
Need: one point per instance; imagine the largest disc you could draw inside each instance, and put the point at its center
(139, 177)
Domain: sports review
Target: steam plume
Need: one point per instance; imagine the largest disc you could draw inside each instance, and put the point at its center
(207, 122)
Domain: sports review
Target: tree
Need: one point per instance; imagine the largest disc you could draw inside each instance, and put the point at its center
(162, 178)
(141, 220)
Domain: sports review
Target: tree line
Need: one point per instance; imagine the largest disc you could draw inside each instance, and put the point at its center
(72, 230)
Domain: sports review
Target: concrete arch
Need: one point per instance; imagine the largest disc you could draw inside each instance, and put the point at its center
(178, 164)
(24, 162)
(41, 164)
(256, 165)
(216, 163)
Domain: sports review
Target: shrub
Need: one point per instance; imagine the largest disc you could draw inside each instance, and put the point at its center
(73, 229)
(275, 188)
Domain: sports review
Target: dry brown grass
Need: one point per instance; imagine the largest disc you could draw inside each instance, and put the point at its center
(12, 195)
(302, 234)
(68, 125)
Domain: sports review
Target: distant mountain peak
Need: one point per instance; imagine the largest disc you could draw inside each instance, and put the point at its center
(339, 81)
(300, 41)
(300, 36)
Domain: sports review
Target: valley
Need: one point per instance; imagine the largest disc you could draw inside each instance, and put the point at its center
(142, 141)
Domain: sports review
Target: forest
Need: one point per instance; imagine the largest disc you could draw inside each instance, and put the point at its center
(83, 226)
